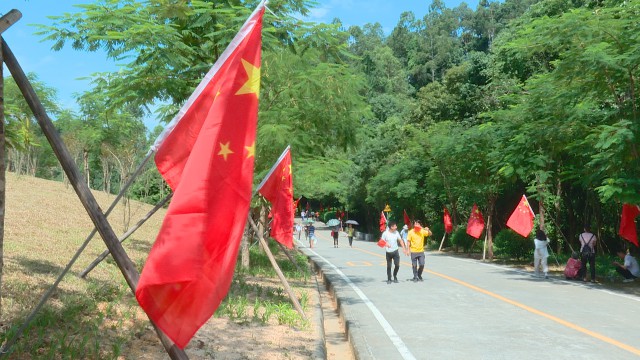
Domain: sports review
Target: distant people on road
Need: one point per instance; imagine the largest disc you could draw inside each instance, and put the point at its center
(588, 253)
(334, 234)
(312, 235)
(392, 239)
(540, 254)
(298, 230)
(415, 238)
(350, 232)
(572, 269)
(303, 215)
(629, 268)
(403, 235)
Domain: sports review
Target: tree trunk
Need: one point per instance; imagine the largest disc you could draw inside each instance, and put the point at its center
(262, 223)
(2, 176)
(244, 247)
(557, 209)
(492, 205)
(85, 161)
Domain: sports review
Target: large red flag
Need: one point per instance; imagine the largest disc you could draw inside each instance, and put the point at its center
(628, 224)
(206, 156)
(476, 223)
(383, 222)
(521, 220)
(407, 221)
(448, 224)
(277, 187)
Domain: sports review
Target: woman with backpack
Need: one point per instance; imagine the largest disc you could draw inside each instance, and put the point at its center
(588, 253)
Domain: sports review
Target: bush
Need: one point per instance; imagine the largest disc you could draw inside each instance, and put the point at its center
(460, 238)
(509, 245)
(328, 216)
(434, 240)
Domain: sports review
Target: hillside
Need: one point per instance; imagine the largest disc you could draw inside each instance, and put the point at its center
(98, 317)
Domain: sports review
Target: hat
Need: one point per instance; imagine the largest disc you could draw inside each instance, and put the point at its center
(405, 227)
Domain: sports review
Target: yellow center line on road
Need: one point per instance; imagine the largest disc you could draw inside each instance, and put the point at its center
(568, 324)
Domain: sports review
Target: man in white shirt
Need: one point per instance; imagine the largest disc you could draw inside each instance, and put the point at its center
(629, 269)
(392, 239)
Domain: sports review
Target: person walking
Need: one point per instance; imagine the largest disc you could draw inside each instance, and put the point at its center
(588, 253)
(392, 238)
(415, 239)
(540, 254)
(312, 235)
(403, 235)
(350, 232)
(629, 269)
(334, 234)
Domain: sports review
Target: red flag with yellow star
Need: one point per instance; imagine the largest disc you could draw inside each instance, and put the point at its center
(206, 156)
(475, 226)
(521, 220)
(277, 187)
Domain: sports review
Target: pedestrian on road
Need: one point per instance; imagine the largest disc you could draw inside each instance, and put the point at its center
(588, 253)
(334, 234)
(298, 230)
(415, 238)
(350, 232)
(303, 215)
(403, 235)
(392, 238)
(540, 254)
(629, 269)
(312, 235)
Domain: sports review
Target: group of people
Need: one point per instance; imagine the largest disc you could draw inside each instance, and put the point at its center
(412, 243)
(310, 234)
(577, 269)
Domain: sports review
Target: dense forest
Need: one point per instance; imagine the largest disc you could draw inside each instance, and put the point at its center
(458, 108)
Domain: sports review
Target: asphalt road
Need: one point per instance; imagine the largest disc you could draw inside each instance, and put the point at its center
(467, 309)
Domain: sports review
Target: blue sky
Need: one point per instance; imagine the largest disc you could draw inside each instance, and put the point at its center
(63, 69)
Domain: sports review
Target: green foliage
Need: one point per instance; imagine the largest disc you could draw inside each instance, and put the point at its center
(510, 245)
(328, 215)
(460, 238)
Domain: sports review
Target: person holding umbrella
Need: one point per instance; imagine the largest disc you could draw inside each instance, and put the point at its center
(351, 231)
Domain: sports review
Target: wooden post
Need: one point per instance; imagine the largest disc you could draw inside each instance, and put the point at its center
(284, 281)
(261, 222)
(3, 184)
(442, 242)
(126, 235)
(9, 19)
(126, 266)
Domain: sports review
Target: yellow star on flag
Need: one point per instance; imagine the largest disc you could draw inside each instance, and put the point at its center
(252, 86)
(224, 150)
(251, 150)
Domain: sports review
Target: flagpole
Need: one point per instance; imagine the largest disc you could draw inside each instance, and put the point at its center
(273, 168)
(442, 242)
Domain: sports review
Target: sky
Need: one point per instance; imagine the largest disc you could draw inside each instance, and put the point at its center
(64, 70)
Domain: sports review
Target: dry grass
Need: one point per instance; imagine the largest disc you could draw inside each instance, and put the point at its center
(98, 318)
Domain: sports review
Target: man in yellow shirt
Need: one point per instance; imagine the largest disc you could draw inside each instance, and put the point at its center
(415, 239)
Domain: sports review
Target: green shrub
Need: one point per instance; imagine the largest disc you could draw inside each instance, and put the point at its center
(328, 216)
(509, 245)
(434, 240)
(460, 238)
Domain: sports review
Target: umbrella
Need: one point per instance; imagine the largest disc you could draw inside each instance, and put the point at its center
(333, 222)
(308, 221)
(352, 222)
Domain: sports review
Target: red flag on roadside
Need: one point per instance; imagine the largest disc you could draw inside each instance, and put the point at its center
(277, 187)
(383, 222)
(476, 223)
(407, 221)
(628, 223)
(521, 220)
(295, 204)
(448, 224)
(206, 155)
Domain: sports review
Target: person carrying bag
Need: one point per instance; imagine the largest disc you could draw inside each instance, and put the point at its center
(588, 254)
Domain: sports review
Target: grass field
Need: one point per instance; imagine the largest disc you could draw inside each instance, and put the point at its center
(99, 318)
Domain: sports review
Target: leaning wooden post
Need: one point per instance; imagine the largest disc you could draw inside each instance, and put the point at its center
(442, 242)
(127, 267)
(126, 235)
(284, 281)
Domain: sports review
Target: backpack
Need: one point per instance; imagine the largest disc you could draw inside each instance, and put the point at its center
(587, 251)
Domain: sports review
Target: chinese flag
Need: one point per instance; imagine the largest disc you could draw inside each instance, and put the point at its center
(278, 189)
(448, 224)
(407, 221)
(383, 222)
(476, 223)
(295, 204)
(206, 156)
(521, 220)
(628, 224)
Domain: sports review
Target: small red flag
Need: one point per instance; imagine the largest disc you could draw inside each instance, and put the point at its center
(277, 187)
(476, 223)
(628, 224)
(521, 220)
(407, 221)
(295, 204)
(448, 224)
(206, 155)
(383, 222)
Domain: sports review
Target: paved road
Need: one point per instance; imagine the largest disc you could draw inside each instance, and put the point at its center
(466, 309)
